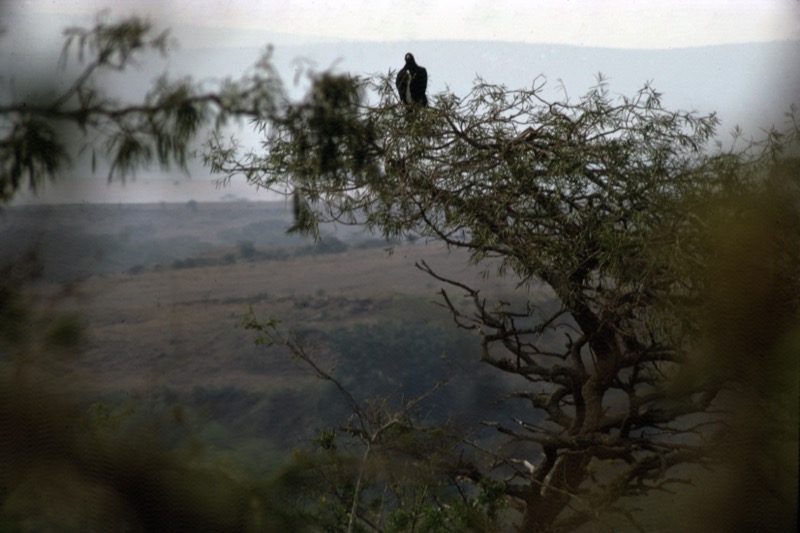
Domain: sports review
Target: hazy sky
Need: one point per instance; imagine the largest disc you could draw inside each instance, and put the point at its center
(35, 25)
(608, 23)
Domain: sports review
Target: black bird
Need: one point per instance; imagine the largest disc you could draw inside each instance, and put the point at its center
(412, 80)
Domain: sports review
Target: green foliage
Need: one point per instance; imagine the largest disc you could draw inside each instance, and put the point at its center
(31, 149)
(393, 489)
(36, 132)
(27, 333)
(66, 333)
(72, 473)
(103, 417)
(14, 314)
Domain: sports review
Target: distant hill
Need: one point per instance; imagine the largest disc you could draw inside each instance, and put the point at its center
(79, 241)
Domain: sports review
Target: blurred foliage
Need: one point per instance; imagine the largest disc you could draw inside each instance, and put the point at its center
(401, 485)
(66, 467)
(38, 128)
(66, 473)
(752, 336)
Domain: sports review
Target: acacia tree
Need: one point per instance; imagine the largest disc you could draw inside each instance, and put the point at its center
(605, 201)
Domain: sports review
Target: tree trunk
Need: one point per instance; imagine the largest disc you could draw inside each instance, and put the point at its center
(548, 500)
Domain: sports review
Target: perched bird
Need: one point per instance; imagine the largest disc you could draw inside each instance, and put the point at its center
(412, 80)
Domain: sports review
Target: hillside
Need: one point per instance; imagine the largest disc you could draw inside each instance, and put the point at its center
(161, 290)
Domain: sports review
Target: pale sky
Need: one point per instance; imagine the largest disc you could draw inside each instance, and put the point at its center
(36, 25)
(606, 23)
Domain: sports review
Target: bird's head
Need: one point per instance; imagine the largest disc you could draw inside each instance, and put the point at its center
(410, 59)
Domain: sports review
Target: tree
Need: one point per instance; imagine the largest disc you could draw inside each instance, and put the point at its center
(608, 202)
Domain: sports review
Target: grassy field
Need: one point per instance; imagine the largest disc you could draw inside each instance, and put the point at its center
(181, 325)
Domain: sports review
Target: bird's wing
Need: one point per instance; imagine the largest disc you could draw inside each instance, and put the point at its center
(423, 78)
(419, 83)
